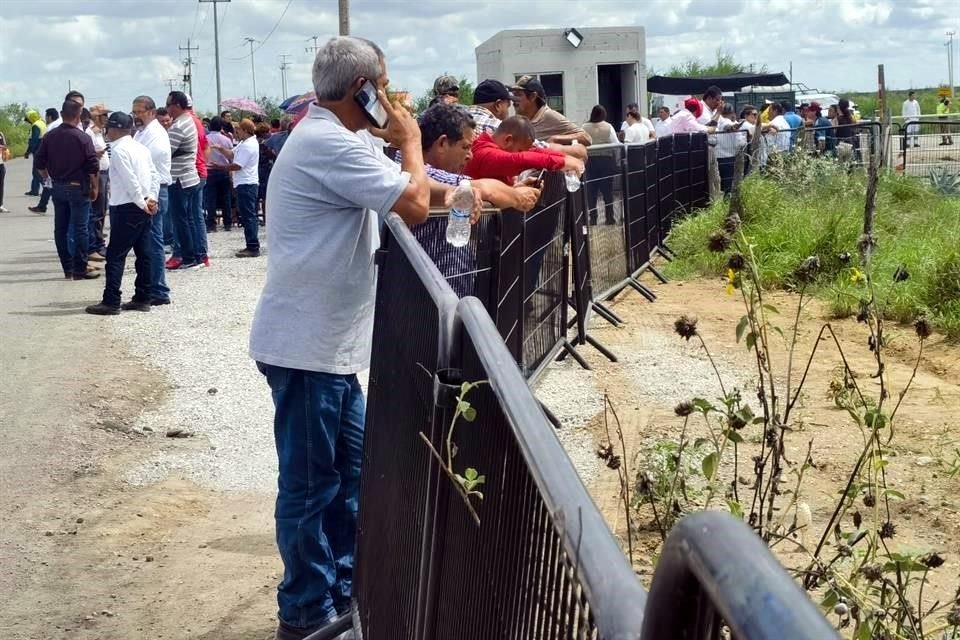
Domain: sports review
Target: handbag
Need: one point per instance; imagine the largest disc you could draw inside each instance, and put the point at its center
(6, 154)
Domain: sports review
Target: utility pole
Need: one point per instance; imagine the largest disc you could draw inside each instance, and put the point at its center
(284, 65)
(344, 8)
(950, 62)
(170, 83)
(315, 47)
(216, 47)
(253, 70)
(188, 75)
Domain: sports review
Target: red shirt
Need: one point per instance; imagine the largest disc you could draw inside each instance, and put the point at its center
(202, 145)
(490, 161)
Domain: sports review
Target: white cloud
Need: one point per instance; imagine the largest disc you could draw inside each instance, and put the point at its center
(116, 49)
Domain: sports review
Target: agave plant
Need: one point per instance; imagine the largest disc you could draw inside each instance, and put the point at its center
(945, 183)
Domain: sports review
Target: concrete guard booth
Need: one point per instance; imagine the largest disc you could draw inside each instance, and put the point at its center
(578, 68)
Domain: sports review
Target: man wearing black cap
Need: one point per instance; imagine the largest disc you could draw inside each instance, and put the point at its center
(491, 105)
(547, 123)
(134, 189)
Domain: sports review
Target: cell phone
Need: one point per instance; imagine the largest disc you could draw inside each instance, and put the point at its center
(366, 97)
(538, 180)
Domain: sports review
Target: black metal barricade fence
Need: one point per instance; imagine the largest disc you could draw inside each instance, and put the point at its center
(541, 563)
(929, 145)
(532, 559)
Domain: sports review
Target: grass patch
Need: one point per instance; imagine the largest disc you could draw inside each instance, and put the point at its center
(807, 206)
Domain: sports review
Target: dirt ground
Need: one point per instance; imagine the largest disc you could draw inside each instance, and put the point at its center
(925, 435)
(83, 555)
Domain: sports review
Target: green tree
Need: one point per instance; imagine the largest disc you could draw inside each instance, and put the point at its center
(14, 129)
(466, 95)
(723, 65)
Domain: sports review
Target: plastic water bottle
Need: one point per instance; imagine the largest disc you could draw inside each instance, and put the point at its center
(458, 223)
(573, 182)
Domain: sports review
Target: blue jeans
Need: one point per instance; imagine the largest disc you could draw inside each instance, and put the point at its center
(130, 228)
(247, 205)
(318, 429)
(182, 204)
(199, 223)
(36, 182)
(158, 283)
(71, 206)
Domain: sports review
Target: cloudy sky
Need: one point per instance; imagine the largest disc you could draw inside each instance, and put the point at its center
(113, 50)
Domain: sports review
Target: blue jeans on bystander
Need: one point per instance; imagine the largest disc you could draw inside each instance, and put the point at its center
(318, 429)
(130, 228)
(159, 292)
(247, 206)
(71, 206)
(183, 200)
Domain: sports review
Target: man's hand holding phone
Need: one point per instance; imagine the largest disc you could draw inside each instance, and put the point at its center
(401, 127)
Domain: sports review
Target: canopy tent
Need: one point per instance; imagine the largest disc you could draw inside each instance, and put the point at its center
(696, 86)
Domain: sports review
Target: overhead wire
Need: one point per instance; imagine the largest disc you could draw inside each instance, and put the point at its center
(264, 41)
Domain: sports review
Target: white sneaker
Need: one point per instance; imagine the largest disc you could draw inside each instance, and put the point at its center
(3, 209)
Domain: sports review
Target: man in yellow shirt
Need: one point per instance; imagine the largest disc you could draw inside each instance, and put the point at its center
(943, 112)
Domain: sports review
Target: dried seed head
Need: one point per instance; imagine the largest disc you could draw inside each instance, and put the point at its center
(604, 451)
(808, 269)
(932, 561)
(736, 422)
(731, 224)
(864, 313)
(718, 242)
(901, 274)
(684, 409)
(888, 530)
(844, 257)
(841, 609)
(869, 500)
(736, 262)
(613, 462)
(872, 572)
(685, 327)
(922, 328)
(954, 617)
(857, 519)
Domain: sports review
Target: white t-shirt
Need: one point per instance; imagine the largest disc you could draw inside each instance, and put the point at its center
(911, 109)
(327, 192)
(99, 144)
(780, 139)
(247, 155)
(637, 133)
(663, 128)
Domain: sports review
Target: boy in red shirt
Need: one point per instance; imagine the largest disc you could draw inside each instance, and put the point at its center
(508, 152)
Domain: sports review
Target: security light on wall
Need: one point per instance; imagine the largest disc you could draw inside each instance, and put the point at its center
(574, 37)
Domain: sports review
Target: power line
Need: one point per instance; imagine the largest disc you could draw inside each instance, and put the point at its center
(264, 41)
(196, 15)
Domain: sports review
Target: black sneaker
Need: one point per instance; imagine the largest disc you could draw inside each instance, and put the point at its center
(135, 305)
(248, 253)
(30, 193)
(37, 209)
(90, 275)
(103, 310)
(159, 302)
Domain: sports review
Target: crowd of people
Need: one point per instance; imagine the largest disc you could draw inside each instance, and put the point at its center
(88, 164)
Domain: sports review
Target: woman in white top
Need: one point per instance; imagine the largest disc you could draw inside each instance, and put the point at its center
(637, 132)
(600, 131)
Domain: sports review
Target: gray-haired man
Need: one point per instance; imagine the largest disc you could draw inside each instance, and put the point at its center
(327, 192)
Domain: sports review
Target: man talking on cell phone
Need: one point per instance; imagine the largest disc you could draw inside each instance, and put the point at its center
(328, 191)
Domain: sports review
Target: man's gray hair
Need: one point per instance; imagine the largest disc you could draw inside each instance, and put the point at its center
(340, 61)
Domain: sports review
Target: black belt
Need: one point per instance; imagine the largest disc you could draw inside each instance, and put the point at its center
(68, 183)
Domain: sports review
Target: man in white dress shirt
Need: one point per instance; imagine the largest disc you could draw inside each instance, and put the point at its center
(153, 136)
(134, 189)
(911, 113)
